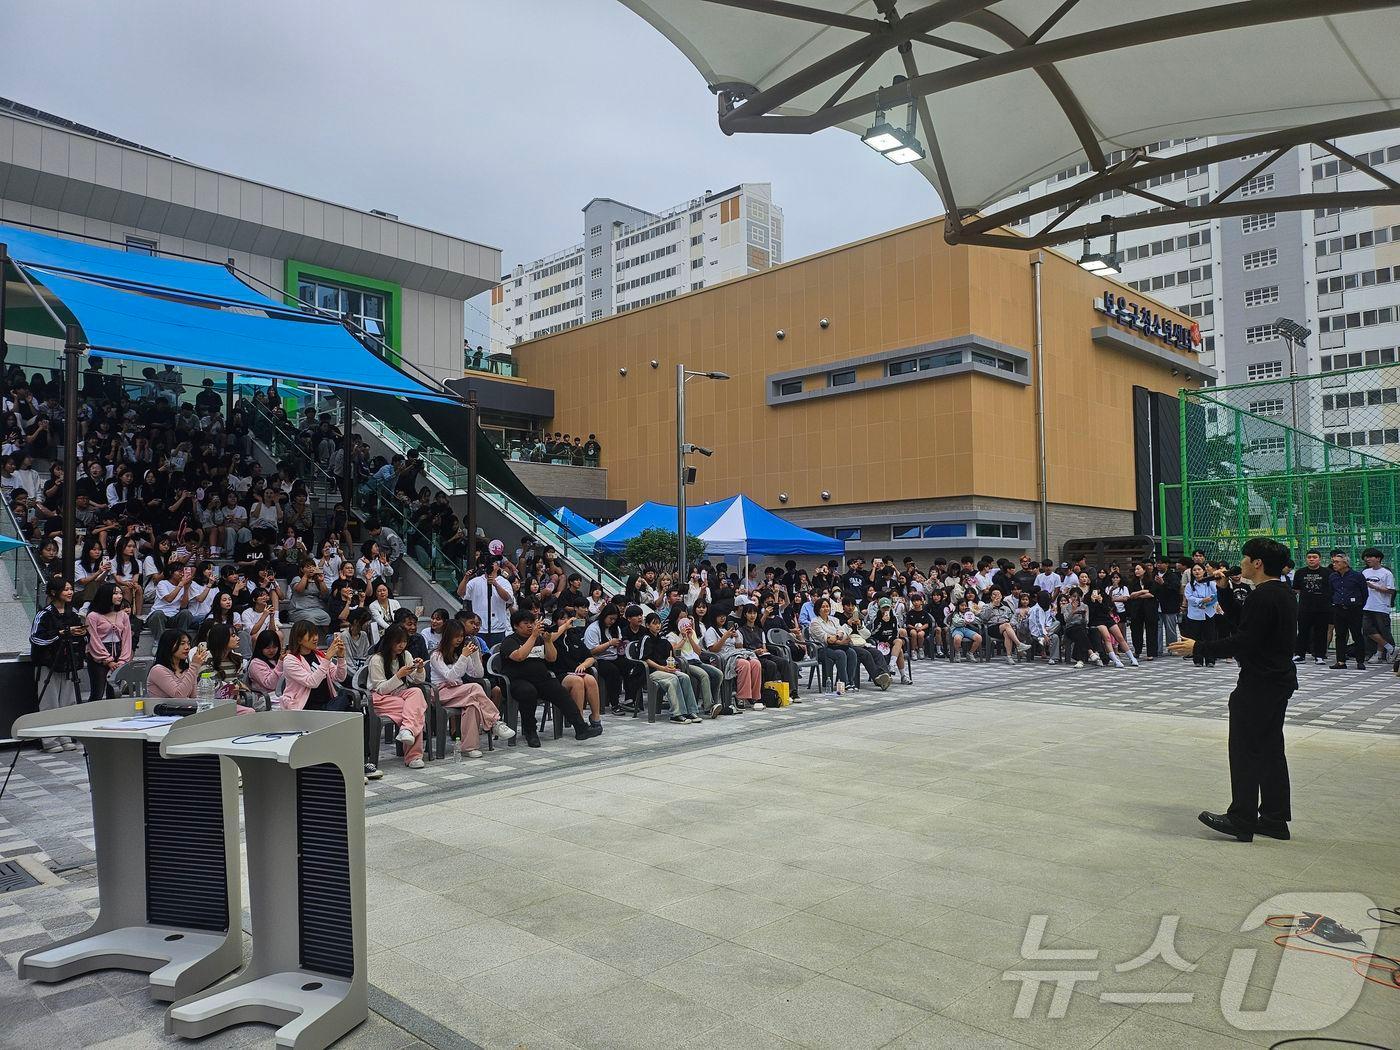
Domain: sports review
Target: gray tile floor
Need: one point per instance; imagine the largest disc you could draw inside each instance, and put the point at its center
(841, 874)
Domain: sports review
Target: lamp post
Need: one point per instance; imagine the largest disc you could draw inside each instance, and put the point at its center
(682, 374)
(72, 349)
(1294, 336)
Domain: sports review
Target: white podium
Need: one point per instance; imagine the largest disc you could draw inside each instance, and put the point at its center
(166, 837)
(304, 821)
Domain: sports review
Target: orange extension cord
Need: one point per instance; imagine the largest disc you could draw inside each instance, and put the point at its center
(1361, 962)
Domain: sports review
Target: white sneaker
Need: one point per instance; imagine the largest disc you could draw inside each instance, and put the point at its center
(1093, 656)
(1132, 657)
(417, 763)
(1117, 662)
(405, 736)
(473, 753)
(1079, 663)
(756, 706)
(1319, 661)
(1023, 647)
(501, 731)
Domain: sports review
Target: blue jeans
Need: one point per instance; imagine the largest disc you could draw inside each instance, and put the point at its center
(678, 690)
(843, 661)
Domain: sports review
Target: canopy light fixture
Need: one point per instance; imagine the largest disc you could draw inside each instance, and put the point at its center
(1103, 264)
(896, 144)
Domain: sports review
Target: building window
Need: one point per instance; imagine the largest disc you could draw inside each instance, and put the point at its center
(903, 368)
(758, 234)
(945, 530)
(698, 239)
(596, 230)
(595, 274)
(696, 264)
(595, 251)
(1272, 406)
(1338, 362)
(1261, 296)
(997, 530)
(846, 377)
(846, 533)
(697, 286)
(788, 387)
(1264, 370)
(142, 246)
(1257, 185)
(1260, 333)
(597, 293)
(1255, 223)
(1267, 445)
(1360, 319)
(595, 315)
(1258, 260)
(367, 309)
(520, 302)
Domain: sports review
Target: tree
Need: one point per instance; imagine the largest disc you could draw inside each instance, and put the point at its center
(656, 549)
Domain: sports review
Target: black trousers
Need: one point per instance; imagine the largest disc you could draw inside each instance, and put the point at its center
(527, 693)
(1199, 631)
(1075, 642)
(1312, 630)
(1259, 787)
(1348, 621)
(611, 676)
(97, 680)
(341, 701)
(1143, 618)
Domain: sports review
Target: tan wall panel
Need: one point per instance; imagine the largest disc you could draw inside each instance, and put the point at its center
(964, 434)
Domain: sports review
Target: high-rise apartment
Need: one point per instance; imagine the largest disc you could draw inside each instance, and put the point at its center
(630, 258)
(1335, 271)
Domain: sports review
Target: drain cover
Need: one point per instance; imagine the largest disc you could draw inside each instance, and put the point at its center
(13, 877)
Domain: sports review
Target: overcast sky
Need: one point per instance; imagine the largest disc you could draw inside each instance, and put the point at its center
(495, 121)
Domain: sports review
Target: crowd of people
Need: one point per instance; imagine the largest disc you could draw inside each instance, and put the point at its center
(236, 582)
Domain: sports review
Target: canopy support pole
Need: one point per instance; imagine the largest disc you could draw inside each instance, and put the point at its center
(4, 260)
(681, 578)
(72, 348)
(228, 396)
(472, 421)
(347, 463)
(1040, 412)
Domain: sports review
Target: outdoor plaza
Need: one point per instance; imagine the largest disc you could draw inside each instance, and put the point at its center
(843, 873)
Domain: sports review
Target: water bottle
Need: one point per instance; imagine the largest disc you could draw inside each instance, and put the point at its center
(204, 691)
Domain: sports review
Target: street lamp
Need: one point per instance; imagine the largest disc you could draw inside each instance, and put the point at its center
(682, 374)
(1294, 335)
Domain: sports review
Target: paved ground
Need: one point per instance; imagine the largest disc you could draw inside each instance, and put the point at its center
(846, 873)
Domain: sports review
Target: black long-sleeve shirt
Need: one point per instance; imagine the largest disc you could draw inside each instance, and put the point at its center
(1262, 642)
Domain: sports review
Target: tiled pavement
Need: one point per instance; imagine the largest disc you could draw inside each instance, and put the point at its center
(723, 873)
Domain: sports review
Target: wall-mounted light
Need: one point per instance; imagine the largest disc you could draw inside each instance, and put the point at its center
(655, 363)
(824, 322)
(780, 334)
(622, 371)
(782, 497)
(825, 495)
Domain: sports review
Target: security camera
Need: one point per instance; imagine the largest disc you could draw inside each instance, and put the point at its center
(824, 322)
(622, 371)
(825, 495)
(706, 452)
(655, 363)
(782, 334)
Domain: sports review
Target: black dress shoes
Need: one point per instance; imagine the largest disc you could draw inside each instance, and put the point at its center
(1222, 823)
(1274, 829)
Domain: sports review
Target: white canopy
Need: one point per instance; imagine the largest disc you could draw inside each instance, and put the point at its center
(1013, 91)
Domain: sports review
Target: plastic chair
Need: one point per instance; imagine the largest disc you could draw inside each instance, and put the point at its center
(816, 648)
(130, 679)
(511, 713)
(781, 639)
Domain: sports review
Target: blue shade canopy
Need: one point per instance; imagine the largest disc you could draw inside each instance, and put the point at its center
(575, 523)
(122, 269)
(742, 527)
(9, 543)
(729, 528)
(303, 347)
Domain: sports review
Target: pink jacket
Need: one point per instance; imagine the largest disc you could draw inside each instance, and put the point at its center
(302, 678)
(96, 623)
(162, 681)
(264, 676)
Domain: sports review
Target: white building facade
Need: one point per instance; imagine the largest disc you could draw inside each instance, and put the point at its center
(631, 258)
(1335, 271)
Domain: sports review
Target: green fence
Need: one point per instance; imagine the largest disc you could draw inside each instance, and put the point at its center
(1270, 458)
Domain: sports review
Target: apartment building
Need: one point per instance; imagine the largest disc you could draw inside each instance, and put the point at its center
(1335, 271)
(630, 258)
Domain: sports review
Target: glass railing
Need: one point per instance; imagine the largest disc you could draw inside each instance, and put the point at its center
(26, 577)
(447, 474)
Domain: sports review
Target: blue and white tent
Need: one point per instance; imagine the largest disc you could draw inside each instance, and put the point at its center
(734, 527)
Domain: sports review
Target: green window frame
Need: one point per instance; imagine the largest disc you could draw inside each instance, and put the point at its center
(298, 271)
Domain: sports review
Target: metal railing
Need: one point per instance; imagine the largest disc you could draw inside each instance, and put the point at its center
(450, 476)
(26, 575)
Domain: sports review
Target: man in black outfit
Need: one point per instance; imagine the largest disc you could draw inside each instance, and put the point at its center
(1314, 586)
(1262, 644)
(526, 655)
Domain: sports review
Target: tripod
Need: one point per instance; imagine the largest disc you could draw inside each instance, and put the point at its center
(52, 690)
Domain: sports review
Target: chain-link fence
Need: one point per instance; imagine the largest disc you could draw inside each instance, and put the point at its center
(1312, 461)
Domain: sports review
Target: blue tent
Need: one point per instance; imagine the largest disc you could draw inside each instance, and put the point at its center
(744, 528)
(575, 523)
(732, 527)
